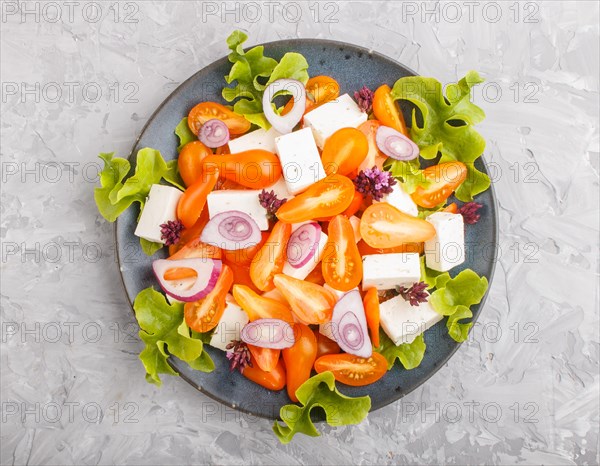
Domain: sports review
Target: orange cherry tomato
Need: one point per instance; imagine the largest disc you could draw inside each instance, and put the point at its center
(386, 110)
(269, 260)
(205, 111)
(241, 274)
(244, 256)
(352, 370)
(191, 203)
(371, 303)
(255, 169)
(316, 276)
(354, 207)
(197, 249)
(204, 315)
(261, 307)
(452, 208)
(310, 302)
(445, 178)
(266, 358)
(374, 158)
(384, 226)
(299, 359)
(328, 197)
(191, 234)
(326, 345)
(273, 380)
(366, 250)
(190, 161)
(344, 151)
(275, 295)
(320, 89)
(342, 263)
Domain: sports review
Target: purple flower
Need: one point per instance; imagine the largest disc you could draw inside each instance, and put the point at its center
(364, 97)
(469, 211)
(374, 182)
(415, 294)
(171, 231)
(270, 201)
(238, 354)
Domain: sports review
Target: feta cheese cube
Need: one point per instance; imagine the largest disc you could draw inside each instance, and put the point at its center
(387, 271)
(241, 200)
(447, 248)
(403, 322)
(300, 160)
(160, 207)
(302, 272)
(401, 200)
(229, 327)
(259, 139)
(326, 119)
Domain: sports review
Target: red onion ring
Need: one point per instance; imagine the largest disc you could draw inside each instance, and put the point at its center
(231, 230)
(268, 333)
(214, 133)
(208, 271)
(303, 244)
(286, 123)
(349, 325)
(396, 145)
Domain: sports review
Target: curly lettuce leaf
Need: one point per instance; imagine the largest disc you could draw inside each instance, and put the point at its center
(320, 390)
(163, 328)
(172, 175)
(409, 174)
(150, 247)
(252, 72)
(447, 125)
(409, 354)
(149, 169)
(184, 133)
(111, 179)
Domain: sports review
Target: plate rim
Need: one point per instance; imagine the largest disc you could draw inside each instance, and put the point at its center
(364, 50)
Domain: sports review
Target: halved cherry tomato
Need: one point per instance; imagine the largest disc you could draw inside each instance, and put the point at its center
(205, 111)
(316, 276)
(244, 256)
(269, 260)
(326, 198)
(375, 157)
(299, 358)
(366, 250)
(342, 263)
(197, 249)
(445, 178)
(452, 208)
(371, 303)
(254, 169)
(352, 370)
(261, 307)
(344, 151)
(275, 295)
(320, 89)
(354, 207)
(204, 315)
(311, 303)
(241, 274)
(191, 203)
(386, 110)
(384, 226)
(190, 161)
(273, 380)
(266, 358)
(325, 345)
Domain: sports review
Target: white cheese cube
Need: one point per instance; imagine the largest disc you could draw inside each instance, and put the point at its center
(302, 272)
(259, 139)
(401, 200)
(387, 271)
(403, 322)
(280, 189)
(447, 248)
(326, 119)
(241, 200)
(300, 160)
(355, 222)
(229, 327)
(160, 207)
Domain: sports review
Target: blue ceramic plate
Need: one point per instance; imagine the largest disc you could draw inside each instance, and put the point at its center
(352, 67)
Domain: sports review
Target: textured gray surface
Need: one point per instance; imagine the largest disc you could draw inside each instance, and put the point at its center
(524, 389)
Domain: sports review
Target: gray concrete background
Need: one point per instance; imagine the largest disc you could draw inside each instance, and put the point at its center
(82, 77)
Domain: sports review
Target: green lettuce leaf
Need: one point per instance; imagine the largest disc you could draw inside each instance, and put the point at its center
(447, 125)
(409, 354)
(408, 174)
(150, 247)
(184, 133)
(172, 175)
(111, 179)
(251, 72)
(433, 278)
(163, 328)
(459, 331)
(320, 390)
(149, 169)
(466, 289)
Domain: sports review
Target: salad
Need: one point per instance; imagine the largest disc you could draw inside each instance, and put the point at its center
(310, 234)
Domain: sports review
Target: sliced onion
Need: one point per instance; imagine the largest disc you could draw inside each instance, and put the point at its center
(349, 325)
(208, 271)
(231, 230)
(396, 145)
(303, 244)
(214, 133)
(268, 333)
(286, 123)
